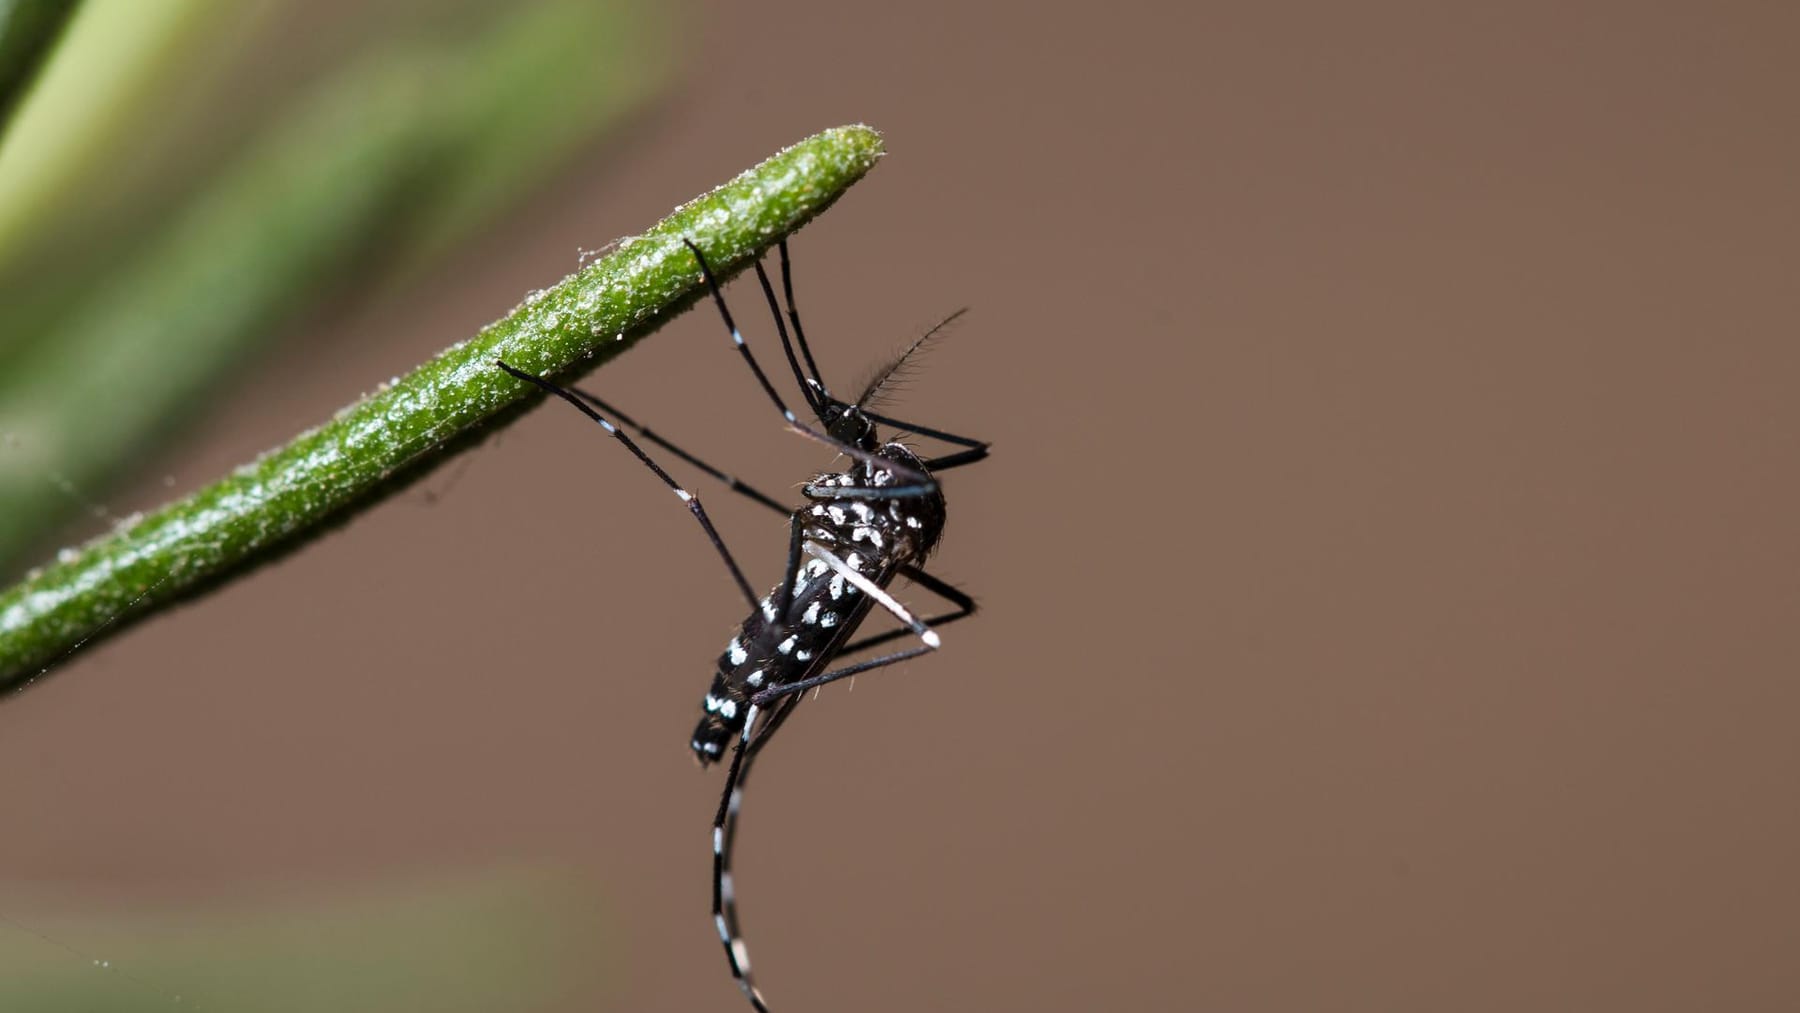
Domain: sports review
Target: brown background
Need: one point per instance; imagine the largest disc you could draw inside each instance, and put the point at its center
(1389, 551)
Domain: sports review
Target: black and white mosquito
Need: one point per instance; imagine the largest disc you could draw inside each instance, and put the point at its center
(859, 531)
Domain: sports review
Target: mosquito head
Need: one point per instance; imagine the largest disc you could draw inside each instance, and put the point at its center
(848, 424)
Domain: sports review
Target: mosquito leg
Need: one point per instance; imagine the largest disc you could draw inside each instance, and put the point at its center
(956, 460)
(737, 337)
(693, 502)
(920, 482)
(731, 481)
(813, 490)
(787, 290)
(936, 434)
(965, 607)
(724, 902)
(875, 591)
(776, 693)
(807, 390)
(927, 636)
(776, 719)
(779, 621)
(779, 606)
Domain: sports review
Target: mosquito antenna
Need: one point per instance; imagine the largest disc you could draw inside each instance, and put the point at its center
(897, 367)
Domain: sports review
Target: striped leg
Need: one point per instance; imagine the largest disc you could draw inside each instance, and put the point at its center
(965, 607)
(928, 637)
(916, 482)
(724, 833)
(688, 498)
(781, 701)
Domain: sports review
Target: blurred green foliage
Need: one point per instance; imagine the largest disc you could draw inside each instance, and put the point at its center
(112, 85)
(28, 29)
(178, 179)
(516, 941)
(114, 328)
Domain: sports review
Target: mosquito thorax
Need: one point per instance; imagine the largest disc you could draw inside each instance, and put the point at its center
(902, 530)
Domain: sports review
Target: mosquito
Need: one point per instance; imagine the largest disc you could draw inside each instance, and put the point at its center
(858, 532)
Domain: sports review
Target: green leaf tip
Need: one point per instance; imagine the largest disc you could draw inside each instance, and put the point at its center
(374, 447)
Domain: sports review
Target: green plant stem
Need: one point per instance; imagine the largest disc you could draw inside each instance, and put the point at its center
(375, 445)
